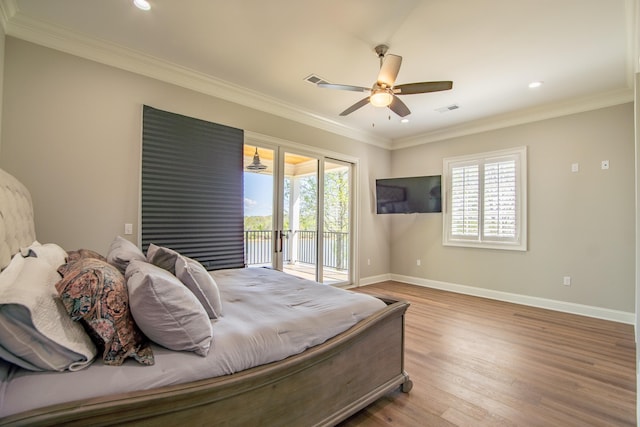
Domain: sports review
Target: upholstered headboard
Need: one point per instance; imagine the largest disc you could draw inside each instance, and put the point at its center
(17, 227)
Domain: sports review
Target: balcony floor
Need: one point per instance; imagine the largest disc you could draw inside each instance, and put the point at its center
(308, 271)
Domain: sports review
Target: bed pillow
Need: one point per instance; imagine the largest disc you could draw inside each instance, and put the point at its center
(198, 280)
(49, 252)
(192, 274)
(121, 252)
(36, 332)
(166, 311)
(94, 292)
(162, 257)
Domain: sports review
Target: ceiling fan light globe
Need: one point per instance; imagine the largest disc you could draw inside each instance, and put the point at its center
(381, 99)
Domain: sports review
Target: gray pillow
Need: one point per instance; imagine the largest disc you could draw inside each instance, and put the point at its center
(164, 258)
(121, 252)
(166, 311)
(192, 274)
(195, 277)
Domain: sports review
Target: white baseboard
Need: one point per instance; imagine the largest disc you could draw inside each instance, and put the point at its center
(374, 279)
(567, 307)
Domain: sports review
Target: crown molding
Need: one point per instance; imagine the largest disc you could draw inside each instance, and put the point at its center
(548, 111)
(74, 43)
(8, 9)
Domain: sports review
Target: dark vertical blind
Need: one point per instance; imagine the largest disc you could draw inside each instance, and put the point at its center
(192, 188)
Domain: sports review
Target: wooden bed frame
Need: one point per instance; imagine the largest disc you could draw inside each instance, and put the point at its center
(319, 387)
(322, 386)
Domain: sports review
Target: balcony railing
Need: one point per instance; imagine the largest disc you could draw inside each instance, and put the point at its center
(258, 248)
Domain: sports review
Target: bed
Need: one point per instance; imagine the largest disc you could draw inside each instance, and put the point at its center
(331, 372)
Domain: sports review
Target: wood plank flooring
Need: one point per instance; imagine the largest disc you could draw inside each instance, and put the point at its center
(480, 362)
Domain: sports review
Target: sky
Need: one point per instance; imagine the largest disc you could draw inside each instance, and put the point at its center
(258, 194)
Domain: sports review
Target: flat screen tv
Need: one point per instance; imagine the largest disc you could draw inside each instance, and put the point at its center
(417, 194)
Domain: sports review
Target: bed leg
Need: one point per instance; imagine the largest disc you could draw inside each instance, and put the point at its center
(407, 385)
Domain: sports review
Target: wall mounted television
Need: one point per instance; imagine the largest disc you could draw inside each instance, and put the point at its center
(419, 194)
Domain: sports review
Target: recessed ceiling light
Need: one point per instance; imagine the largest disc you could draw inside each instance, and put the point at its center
(404, 121)
(533, 85)
(142, 4)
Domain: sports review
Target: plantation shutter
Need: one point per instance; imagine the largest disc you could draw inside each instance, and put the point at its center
(485, 202)
(500, 200)
(465, 201)
(192, 188)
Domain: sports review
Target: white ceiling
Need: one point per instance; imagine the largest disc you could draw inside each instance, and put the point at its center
(258, 53)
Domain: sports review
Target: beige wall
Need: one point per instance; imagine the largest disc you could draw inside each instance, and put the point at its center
(73, 131)
(2, 40)
(580, 224)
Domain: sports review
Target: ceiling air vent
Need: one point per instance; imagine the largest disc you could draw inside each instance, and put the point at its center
(447, 108)
(313, 79)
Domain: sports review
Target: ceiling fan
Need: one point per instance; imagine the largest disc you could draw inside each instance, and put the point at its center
(383, 93)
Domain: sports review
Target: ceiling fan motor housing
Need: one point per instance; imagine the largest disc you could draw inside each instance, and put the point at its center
(381, 50)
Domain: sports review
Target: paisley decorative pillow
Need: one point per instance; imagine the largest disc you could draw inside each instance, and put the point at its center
(95, 293)
(84, 253)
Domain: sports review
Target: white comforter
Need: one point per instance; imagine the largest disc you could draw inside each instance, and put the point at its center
(267, 316)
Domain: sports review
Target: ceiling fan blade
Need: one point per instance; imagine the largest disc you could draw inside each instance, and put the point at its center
(399, 107)
(355, 106)
(344, 87)
(423, 87)
(389, 70)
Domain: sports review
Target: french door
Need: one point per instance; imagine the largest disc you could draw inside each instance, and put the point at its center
(298, 213)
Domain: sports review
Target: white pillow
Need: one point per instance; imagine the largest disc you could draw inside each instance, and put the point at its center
(166, 311)
(195, 277)
(36, 332)
(50, 252)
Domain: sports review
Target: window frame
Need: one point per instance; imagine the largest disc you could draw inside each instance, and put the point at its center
(519, 241)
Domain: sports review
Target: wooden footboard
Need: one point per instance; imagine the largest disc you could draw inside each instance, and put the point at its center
(321, 386)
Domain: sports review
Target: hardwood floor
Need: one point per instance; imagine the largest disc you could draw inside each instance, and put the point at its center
(479, 362)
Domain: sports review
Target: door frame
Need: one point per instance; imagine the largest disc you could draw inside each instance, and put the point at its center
(278, 144)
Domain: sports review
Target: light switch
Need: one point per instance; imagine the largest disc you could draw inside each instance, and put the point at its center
(128, 229)
(575, 167)
(605, 164)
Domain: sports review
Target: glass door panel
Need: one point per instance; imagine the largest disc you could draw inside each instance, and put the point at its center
(300, 215)
(259, 219)
(337, 222)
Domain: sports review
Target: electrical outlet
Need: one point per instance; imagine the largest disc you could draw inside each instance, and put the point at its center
(418, 262)
(575, 167)
(566, 280)
(368, 261)
(128, 228)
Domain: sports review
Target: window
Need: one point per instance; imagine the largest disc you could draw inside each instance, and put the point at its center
(486, 200)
